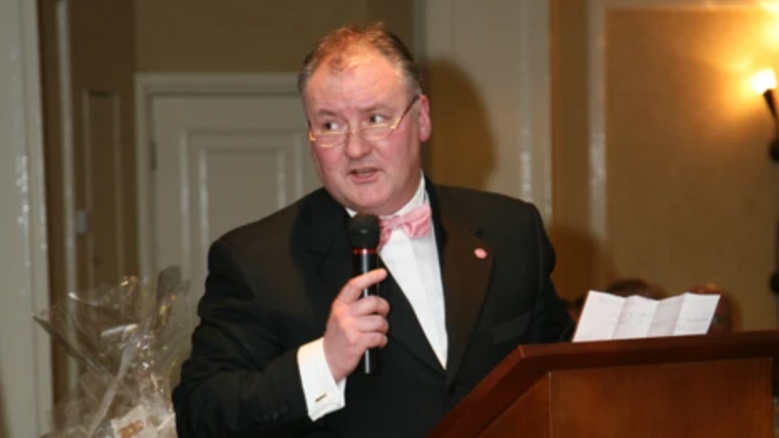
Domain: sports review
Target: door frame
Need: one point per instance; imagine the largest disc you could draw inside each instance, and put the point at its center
(25, 354)
(149, 86)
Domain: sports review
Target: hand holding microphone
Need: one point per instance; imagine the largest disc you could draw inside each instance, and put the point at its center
(357, 326)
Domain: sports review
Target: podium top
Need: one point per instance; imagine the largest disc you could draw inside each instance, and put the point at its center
(527, 363)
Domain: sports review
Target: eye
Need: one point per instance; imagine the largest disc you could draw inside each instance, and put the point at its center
(377, 119)
(331, 126)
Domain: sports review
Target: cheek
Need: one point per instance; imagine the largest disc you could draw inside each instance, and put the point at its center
(326, 163)
(408, 153)
(398, 156)
(319, 163)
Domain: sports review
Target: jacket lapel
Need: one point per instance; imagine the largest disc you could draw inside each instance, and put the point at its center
(465, 275)
(327, 222)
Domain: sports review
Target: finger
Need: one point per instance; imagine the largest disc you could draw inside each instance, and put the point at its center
(370, 305)
(372, 323)
(374, 340)
(352, 290)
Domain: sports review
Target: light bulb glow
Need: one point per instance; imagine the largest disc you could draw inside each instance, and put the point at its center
(764, 80)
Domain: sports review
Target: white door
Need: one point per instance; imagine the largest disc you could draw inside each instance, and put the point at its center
(222, 160)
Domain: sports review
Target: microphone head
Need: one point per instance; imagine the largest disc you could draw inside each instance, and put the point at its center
(364, 231)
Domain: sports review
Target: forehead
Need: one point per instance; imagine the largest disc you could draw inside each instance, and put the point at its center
(357, 77)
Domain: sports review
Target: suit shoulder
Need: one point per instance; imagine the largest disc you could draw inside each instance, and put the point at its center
(257, 230)
(504, 221)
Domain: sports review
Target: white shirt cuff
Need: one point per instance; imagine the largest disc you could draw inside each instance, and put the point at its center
(323, 394)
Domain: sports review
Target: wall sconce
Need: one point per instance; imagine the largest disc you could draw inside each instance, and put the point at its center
(764, 82)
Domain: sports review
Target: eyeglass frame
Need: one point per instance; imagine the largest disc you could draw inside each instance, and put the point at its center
(348, 132)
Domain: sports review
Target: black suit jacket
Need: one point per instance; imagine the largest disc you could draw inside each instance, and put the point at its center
(269, 291)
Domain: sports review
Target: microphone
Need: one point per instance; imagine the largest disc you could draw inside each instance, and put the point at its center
(364, 233)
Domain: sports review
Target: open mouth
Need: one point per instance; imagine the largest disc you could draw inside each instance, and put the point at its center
(363, 174)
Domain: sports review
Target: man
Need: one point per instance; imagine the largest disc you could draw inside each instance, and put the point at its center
(627, 287)
(723, 320)
(283, 327)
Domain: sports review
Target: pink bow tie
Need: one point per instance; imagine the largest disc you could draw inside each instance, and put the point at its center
(415, 223)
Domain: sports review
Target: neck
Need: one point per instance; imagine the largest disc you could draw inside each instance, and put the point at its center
(418, 197)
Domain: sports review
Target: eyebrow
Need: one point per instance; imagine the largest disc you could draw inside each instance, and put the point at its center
(326, 112)
(368, 110)
(375, 107)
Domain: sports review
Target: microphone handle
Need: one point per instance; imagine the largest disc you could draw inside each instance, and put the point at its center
(365, 260)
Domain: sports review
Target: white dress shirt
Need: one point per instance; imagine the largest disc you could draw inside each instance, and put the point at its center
(414, 265)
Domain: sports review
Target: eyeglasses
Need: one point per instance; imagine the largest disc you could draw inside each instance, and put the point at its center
(374, 132)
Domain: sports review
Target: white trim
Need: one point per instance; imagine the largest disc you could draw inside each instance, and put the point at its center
(150, 86)
(143, 172)
(68, 182)
(598, 177)
(27, 385)
(37, 239)
(536, 106)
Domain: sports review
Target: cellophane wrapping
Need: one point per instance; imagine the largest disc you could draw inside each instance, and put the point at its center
(129, 341)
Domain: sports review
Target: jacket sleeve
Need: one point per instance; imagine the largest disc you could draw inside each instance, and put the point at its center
(551, 321)
(238, 381)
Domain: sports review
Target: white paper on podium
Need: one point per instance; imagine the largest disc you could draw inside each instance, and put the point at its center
(606, 316)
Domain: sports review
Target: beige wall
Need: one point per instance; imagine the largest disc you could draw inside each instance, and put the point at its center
(691, 195)
(247, 36)
(570, 228)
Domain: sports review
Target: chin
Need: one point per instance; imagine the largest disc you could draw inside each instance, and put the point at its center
(368, 202)
(368, 206)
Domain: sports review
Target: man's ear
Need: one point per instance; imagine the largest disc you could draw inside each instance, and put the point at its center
(425, 124)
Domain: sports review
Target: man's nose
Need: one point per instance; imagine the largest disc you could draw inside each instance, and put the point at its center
(356, 146)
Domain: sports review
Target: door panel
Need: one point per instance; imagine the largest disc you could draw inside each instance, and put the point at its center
(221, 162)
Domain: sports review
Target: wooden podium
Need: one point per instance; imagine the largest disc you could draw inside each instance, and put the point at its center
(691, 386)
